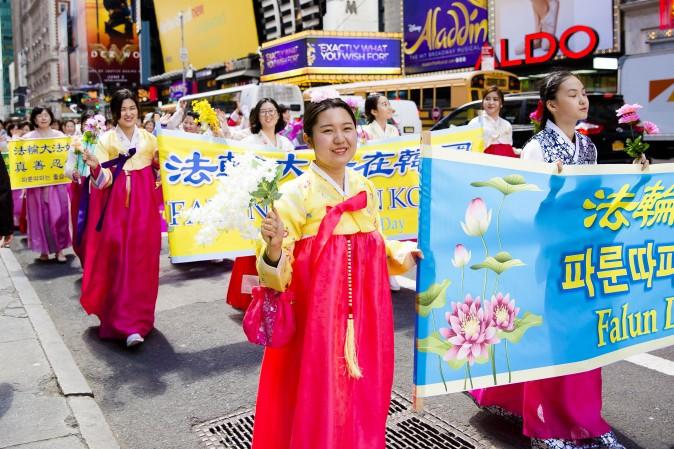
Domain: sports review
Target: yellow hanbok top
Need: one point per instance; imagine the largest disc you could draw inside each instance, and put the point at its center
(302, 207)
(113, 142)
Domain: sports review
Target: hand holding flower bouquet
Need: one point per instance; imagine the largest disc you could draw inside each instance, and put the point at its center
(207, 115)
(628, 115)
(250, 180)
(93, 128)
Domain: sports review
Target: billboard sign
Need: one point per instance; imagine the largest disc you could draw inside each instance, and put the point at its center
(442, 35)
(523, 33)
(112, 41)
(378, 53)
(213, 33)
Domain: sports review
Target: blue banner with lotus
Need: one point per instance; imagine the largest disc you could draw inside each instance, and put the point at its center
(530, 274)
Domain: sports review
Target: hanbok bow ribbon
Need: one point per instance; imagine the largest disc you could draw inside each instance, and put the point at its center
(119, 162)
(329, 222)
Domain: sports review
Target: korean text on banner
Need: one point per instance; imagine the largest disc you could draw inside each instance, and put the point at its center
(191, 164)
(529, 274)
(38, 162)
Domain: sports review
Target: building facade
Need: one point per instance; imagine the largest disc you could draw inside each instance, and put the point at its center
(36, 51)
(642, 27)
(7, 56)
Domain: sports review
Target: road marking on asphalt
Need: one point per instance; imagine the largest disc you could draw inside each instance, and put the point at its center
(649, 361)
(653, 362)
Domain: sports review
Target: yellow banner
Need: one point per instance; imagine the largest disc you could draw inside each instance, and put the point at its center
(459, 138)
(191, 163)
(37, 162)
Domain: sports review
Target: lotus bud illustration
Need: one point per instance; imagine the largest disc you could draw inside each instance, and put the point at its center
(471, 330)
(504, 312)
(461, 256)
(477, 218)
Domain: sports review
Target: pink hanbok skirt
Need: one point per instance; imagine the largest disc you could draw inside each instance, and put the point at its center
(47, 213)
(121, 263)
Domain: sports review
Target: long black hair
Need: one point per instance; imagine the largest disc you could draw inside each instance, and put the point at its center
(313, 110)
(371, 104)
(548, 91)
(256, 125)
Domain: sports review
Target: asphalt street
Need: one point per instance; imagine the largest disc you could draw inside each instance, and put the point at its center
(196, 365)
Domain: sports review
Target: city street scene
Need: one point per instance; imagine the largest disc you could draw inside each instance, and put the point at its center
(337, 224)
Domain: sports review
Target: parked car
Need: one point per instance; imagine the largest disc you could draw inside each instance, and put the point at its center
(601, 124)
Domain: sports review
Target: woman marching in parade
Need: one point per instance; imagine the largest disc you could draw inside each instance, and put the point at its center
(330, 386)
(266, 122)
(560, 412)
(47, 207)
(497, 132)
(121, 264)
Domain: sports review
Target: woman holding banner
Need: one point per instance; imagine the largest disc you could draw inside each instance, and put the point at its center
(496, 131)
(121, 263)
(560, 412)
(266, 122)
(47, 207)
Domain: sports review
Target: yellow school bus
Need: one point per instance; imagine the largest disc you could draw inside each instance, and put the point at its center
(445, 92)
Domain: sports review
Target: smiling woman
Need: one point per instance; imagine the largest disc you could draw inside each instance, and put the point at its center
(330, 386)
(121, 269)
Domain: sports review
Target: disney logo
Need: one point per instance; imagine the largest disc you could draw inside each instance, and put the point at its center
(413, 28)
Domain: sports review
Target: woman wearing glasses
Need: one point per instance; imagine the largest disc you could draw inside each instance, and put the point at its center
(265, 125)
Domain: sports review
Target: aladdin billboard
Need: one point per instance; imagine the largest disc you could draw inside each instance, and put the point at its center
(443, 35)
(526, 32)
(318, 52)
(112, 42)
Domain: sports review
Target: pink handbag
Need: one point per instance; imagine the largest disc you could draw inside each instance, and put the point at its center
(269, 319)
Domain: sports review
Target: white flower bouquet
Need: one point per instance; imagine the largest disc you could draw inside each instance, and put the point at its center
(250, 180)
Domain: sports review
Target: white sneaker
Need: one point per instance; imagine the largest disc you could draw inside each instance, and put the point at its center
(134, 340)
(393, 283)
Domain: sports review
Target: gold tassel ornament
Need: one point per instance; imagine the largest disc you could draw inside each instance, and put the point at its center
(350, 354)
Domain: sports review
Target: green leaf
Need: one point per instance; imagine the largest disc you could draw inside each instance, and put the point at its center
(507, 185)
(435, 344)
(498, 266)
(521, 326)
(433, 298)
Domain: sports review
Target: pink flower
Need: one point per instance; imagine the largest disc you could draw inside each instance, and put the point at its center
(632, 117)
(537, 115)
(628, 109)
(472, 330)
(323, 93)
(461, 256)
(504, 312)
(352, 102)
(477, 218)
(651, 128)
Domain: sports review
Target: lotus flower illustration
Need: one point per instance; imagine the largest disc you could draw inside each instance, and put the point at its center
(477, 218)
(471, 330)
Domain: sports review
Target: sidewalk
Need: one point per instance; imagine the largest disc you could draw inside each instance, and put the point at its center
(45, 402)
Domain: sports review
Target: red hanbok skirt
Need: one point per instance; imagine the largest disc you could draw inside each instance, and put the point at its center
(501, 149)
(306, 399)
(121, 264)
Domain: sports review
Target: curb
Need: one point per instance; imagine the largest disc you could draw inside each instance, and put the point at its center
(76, 390)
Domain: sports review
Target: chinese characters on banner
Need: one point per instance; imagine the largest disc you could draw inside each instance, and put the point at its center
(529, 274)
(191, 164)
(37, 162)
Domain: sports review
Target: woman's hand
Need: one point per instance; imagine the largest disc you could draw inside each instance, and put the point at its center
(165, 119)
(643, 160)
(90, 160)
(559, 165)
(273, 232)
(76, 176)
